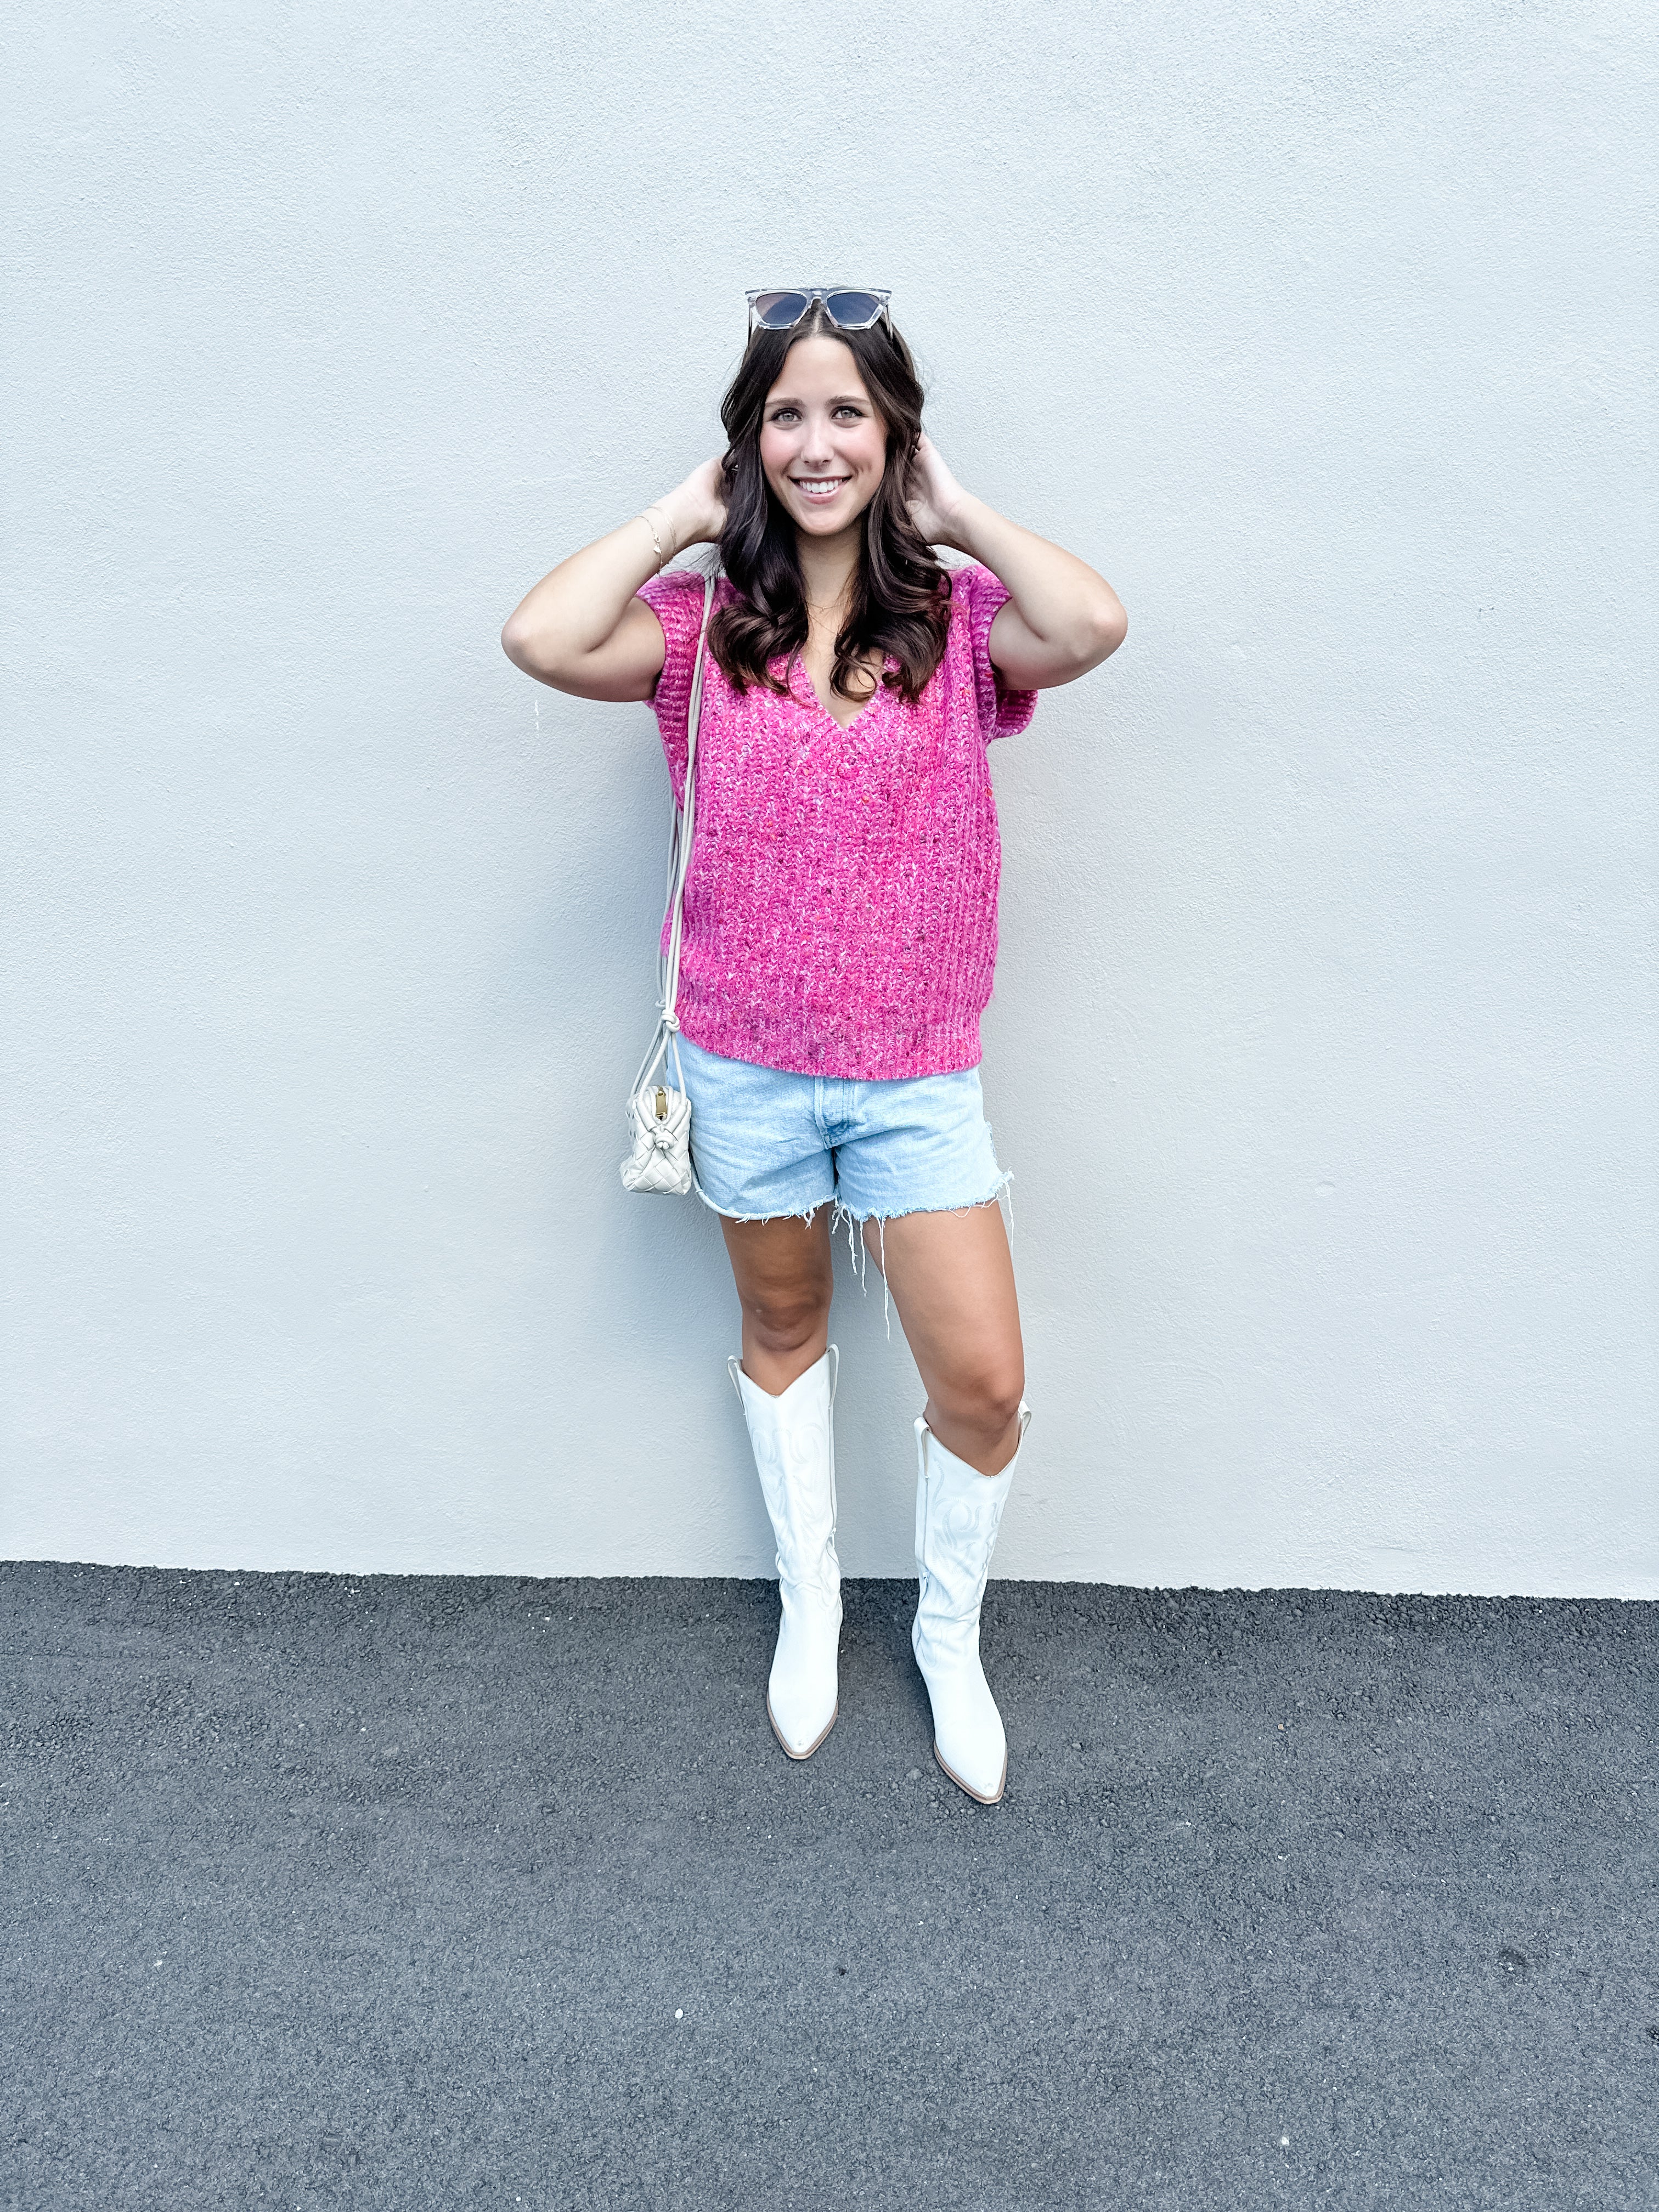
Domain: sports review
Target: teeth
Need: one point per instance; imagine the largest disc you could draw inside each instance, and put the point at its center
(820, 483)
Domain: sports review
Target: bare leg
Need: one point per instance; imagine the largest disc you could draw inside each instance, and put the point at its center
(952, 1280)
(782, 1271)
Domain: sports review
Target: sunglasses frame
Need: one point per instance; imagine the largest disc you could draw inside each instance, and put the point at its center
(826, 293)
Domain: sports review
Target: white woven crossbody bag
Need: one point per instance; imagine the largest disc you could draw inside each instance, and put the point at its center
(659, 1115)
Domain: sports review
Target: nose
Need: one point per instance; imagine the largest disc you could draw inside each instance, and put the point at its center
(816, 445)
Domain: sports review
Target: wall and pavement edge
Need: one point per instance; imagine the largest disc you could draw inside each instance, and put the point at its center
(1323, 1044)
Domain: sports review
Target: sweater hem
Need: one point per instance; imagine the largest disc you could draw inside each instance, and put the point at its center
(947, 1053)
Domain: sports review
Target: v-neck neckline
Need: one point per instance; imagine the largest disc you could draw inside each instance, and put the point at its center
(869, 705)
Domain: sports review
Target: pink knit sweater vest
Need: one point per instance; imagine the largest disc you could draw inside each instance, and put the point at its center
(841, 910)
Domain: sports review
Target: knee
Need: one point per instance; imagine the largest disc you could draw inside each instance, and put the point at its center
(783, 1321)
(988, 1401)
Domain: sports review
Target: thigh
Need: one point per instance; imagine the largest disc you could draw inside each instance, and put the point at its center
(952, 1280)
(781, 1263)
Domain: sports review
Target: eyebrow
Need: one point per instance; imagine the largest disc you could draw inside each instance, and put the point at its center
(841, 399)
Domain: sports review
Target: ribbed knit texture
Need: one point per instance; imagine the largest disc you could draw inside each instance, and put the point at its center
(841, 910)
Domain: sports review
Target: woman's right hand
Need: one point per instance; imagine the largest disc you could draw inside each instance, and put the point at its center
(696, 508)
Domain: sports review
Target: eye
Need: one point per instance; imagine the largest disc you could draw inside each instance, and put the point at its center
(781, 414)
(857, 413)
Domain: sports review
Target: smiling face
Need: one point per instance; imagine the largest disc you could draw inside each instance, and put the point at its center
(822, 446)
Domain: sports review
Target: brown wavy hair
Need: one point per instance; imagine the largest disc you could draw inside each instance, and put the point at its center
(901, 601)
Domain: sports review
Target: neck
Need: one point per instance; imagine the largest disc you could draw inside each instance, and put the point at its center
(828, 565)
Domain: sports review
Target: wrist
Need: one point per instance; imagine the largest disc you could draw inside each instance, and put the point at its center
(961, 523)
(680, 521)
(667, 537)
(662, 536)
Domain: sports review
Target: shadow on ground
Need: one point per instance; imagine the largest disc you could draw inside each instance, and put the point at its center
(423, 1891)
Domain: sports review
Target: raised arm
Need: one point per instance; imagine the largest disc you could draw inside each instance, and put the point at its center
(581, 629)
(1061, 619)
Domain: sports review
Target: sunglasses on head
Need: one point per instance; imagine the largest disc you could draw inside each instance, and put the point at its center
(848, 310)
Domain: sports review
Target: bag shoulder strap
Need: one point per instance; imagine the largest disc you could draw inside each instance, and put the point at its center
(679, 863)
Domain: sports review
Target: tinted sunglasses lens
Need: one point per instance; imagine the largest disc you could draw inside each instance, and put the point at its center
(854, 311)
(776, 311)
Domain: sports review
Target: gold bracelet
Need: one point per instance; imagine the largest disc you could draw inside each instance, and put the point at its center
(644, 516)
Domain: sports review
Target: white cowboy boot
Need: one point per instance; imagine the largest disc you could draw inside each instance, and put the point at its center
(794, 1441)
(957, 1511)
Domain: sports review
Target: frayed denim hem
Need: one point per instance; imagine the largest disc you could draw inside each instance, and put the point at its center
(799, 1214)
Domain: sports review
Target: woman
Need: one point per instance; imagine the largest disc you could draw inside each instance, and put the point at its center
(840, 928)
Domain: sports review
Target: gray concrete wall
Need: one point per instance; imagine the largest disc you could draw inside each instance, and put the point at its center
(1323, 1043)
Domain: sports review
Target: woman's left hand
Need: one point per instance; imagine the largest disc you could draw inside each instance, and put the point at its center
(935, 508)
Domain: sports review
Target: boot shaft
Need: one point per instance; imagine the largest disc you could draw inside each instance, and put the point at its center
(958, 1513)
(793, 1437)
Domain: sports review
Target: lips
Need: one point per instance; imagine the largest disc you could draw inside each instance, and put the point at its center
(820, 489)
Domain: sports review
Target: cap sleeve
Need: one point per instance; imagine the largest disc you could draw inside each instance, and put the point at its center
(1003, 713)
(675, 600)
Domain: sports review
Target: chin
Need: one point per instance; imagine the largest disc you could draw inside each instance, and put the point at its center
(827, 524)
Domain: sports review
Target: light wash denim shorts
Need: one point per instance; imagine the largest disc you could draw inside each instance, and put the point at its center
(765, 1142)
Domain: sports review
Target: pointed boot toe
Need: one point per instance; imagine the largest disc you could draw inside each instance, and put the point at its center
(802, 1696)
(800, 1732)
(985, 1787)
(969, 1740)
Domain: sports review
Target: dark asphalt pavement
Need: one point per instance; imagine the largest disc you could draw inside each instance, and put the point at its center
(439, 1893)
